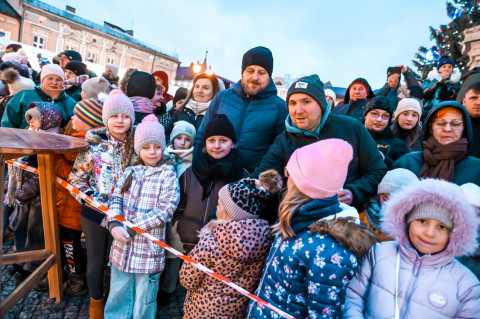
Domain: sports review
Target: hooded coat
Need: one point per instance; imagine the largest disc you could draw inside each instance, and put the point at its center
(257, 120)
(236, 249)
(467, 170)
(307, 275)
(430, 286)
(356, 108)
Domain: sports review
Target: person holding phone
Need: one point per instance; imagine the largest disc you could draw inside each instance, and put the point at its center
(391, 88)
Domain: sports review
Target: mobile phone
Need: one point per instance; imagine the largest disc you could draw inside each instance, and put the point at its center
(394, 70)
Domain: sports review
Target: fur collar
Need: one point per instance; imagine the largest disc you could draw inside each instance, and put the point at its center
(454, 77)
(96, 136)
(356, 237)
(463, 236)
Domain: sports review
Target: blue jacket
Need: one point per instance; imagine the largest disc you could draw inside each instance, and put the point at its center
(257, 120)
(307, 275)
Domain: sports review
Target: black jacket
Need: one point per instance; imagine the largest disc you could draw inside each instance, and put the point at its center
(353, 109)
(391, 147)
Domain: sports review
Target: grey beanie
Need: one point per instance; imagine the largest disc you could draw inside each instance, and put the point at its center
(431, 210)
(395, 180)
(183, 127)
(93, 87)
(35, 112)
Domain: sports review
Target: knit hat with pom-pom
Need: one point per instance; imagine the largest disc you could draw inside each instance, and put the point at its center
(148, 132)
(246, 198)
(93, 87)
(117, 103)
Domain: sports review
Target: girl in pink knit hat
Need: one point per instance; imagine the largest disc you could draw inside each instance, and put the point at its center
(146, 194)
(313, 258)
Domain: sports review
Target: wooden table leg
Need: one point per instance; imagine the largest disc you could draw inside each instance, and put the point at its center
(46, 165)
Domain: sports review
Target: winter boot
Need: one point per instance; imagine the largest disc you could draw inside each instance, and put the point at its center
(41, 285)
(97, 308)
(76, 285)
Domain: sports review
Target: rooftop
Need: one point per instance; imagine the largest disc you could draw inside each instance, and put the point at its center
(90, 24)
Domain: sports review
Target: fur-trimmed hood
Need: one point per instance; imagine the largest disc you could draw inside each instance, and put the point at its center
(96, 136)
(356, 237)
(15, 81)
(454, 77)
(463, 236)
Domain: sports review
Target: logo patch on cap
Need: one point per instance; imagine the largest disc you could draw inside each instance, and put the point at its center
(301, 85)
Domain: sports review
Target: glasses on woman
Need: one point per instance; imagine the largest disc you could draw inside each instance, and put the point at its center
(377, 115)
(455, 124)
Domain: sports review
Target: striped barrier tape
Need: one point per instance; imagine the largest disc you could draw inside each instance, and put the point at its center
(103, 209)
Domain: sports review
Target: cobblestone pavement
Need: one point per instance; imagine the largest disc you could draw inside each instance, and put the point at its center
(39, 305)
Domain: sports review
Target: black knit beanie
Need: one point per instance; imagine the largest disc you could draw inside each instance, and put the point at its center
(260, 56)
(76, 67)
(141, 84)
(220, 125)
(312, 86)
(379, 102)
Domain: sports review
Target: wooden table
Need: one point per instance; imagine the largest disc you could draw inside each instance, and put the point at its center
(15, 143)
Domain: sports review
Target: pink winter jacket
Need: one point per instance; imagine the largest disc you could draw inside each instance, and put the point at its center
(236, 250)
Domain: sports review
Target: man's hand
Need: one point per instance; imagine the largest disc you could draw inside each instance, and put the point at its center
(345, 196)
(120, 234)
(393, 80)
(403, 67)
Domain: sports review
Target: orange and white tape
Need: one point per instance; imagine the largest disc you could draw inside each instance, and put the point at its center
(103, 209)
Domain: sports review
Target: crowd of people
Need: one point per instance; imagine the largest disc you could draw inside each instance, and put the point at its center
(363, 208)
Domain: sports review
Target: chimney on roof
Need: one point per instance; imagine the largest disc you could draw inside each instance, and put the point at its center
(129, 32)
(70, 10)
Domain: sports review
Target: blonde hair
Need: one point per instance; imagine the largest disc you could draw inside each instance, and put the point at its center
(292, 201)
(212, 224)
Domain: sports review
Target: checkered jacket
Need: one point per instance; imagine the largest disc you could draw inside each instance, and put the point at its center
(149, 203)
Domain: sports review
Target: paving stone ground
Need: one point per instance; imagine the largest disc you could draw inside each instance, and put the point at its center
(38, 305)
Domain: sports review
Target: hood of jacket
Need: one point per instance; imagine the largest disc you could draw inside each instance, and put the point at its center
(453, 79)
(464, 233)
(269, 91)
(313, 211)
(370, 94)
(51, 115)
(358, 238)
(245, 240)
(467, 131)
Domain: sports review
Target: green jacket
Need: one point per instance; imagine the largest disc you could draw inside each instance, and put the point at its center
(14, 115)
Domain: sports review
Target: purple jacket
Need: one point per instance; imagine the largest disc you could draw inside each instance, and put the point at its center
(430, 286)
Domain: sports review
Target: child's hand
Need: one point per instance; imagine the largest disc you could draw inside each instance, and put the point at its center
(120, 234)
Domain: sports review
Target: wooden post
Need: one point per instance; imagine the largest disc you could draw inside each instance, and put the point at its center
(2, 186)
(46, 165)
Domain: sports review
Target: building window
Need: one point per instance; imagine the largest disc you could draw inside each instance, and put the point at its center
(70, 47)
(92, 57)
(111, 60)
(39, 42)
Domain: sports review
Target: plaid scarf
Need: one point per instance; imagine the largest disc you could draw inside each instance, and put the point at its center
(76, 81)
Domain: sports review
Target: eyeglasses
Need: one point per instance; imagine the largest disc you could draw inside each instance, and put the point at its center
(159, 87)
(376, 115)
(455, 124)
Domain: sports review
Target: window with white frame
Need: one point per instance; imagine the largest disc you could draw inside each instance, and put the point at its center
(39, 42)
(111, 60)
(92, 57)
(70, 47)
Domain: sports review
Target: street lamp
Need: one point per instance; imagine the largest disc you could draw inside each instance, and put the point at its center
(197, 67)
(209, 71)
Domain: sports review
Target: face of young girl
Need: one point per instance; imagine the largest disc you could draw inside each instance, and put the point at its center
(151, 154)
(118, 125)
(33, 123)
(407, 120)
(221, 212)
(428, 236)
(219, 146)
(69, 74)
(182, 142)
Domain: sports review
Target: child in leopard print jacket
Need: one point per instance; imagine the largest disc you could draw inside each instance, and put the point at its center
(235, 245)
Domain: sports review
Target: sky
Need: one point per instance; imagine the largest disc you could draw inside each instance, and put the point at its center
(338, 40)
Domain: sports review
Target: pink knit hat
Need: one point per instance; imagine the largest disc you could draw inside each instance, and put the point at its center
(117, 103)
(319, 170)
(147, 132)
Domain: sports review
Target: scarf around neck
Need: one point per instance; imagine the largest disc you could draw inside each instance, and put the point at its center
(199, 108)
(439, 160)
(142, 104)
(76, 81)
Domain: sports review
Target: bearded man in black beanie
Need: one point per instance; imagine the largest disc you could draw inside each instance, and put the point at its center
(252, 106)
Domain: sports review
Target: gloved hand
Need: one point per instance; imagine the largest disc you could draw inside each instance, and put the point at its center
(120, 234)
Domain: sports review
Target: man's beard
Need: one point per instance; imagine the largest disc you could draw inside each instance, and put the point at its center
(252, 92)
